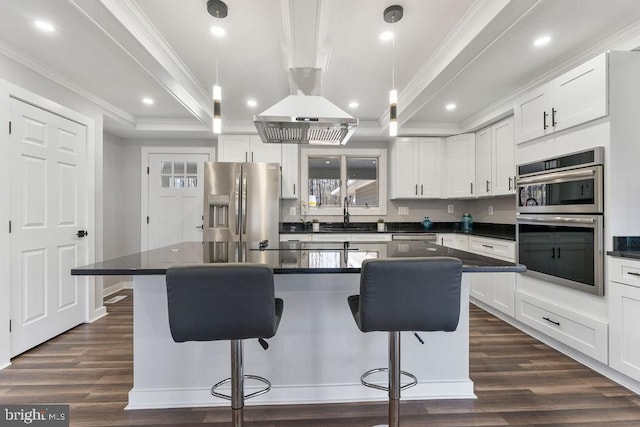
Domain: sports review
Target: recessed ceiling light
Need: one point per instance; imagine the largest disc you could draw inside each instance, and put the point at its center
(541, 41)
(251, 103)
(328, 162)
(450, 107)
(147, 101)
(217, 31)
(353, 104)
(386, 36)
(44, 26)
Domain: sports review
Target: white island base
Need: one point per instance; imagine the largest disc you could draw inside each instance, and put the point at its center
(317, 355)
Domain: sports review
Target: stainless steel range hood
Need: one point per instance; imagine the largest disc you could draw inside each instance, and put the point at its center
(305, 117)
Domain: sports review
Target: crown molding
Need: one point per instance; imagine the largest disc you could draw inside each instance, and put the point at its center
(626, 39)
(474, 21)
(50, 74)
(127, 25)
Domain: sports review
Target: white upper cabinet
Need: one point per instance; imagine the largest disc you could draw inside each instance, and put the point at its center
(577, 96)
(495, 160)
(289, 168)
(484, 163)
(415, 171)
(247, 148)
(531, 112)
(461, 165)
(503, 158)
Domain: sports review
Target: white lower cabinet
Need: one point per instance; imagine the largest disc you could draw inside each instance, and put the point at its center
(454, 240)
(624, 317)
(297, 237)
(577, 330)
(496, 290)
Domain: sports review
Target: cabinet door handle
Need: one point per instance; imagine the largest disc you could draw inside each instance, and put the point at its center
(509, 183)
(252, 156)
(544, 120)
(487, 186)
(558, 253)
(487, 246)
(294, 188)
(553, 253)
(472, 188)
(631, 273)
(551, 321)
(416, 189)
(422, 189)
(553, 117)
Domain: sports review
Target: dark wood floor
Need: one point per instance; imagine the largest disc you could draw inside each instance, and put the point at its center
(518, 381)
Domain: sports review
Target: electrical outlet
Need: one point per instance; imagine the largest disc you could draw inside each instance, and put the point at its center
(449, 208)
(490, 209)
(292, 210)
(403, 210)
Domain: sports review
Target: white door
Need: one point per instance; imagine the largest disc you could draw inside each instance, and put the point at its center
(175, 198)
(48, 209)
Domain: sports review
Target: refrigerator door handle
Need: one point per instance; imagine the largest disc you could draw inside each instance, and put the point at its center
(237, 203)
(244, 202)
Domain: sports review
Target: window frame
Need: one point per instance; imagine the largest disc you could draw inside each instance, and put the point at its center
(380, 154)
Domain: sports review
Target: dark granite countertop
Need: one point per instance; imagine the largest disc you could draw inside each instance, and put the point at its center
(287, 257)
(626, 247)
(494, 231)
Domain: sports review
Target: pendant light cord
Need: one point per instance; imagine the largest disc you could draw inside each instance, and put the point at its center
(218, 50)
(393, 52)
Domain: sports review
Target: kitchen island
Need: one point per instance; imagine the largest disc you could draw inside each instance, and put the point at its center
(318, 354)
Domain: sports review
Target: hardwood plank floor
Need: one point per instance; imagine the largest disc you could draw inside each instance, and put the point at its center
(518, 380)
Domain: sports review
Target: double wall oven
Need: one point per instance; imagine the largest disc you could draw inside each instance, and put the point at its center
(559, 224)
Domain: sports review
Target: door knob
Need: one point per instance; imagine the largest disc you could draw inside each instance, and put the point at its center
(82, 233)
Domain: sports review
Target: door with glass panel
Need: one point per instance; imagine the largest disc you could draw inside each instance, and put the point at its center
(175, 198)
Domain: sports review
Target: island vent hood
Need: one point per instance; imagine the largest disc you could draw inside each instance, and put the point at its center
(305, 117)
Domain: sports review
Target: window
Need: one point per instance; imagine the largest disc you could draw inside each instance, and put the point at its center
(178, 174)
(354, 175)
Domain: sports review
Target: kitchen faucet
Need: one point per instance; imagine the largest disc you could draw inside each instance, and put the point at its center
(346, 211)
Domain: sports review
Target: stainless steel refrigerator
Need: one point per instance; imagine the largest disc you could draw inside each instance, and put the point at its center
(241, 202)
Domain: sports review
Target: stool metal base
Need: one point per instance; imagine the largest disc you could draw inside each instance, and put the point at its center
(413, 382)
(246, 396)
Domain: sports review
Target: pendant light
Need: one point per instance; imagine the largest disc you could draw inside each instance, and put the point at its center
(391, 15)
(218, 9)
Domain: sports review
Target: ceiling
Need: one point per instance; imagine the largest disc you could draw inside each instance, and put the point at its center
(477, 54)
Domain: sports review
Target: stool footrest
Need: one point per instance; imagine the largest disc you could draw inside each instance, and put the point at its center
(247, 396)
(413, 382)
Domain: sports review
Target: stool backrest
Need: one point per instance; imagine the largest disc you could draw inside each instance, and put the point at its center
(410, 294)
(221, 302)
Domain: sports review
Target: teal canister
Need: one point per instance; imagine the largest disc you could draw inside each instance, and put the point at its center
(467, 223)
(426, 223)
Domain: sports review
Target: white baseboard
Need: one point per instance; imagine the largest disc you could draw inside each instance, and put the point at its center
(117, 287)
(299, 394)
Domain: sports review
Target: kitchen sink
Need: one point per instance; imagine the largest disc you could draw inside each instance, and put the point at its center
(341, 229)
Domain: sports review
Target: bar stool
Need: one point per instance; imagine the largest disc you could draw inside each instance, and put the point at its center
(232, 302)
(405, 294)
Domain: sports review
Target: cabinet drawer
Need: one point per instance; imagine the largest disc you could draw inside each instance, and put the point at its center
(624, 270)
(370, 237)
(586, 334)
(494, 248)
